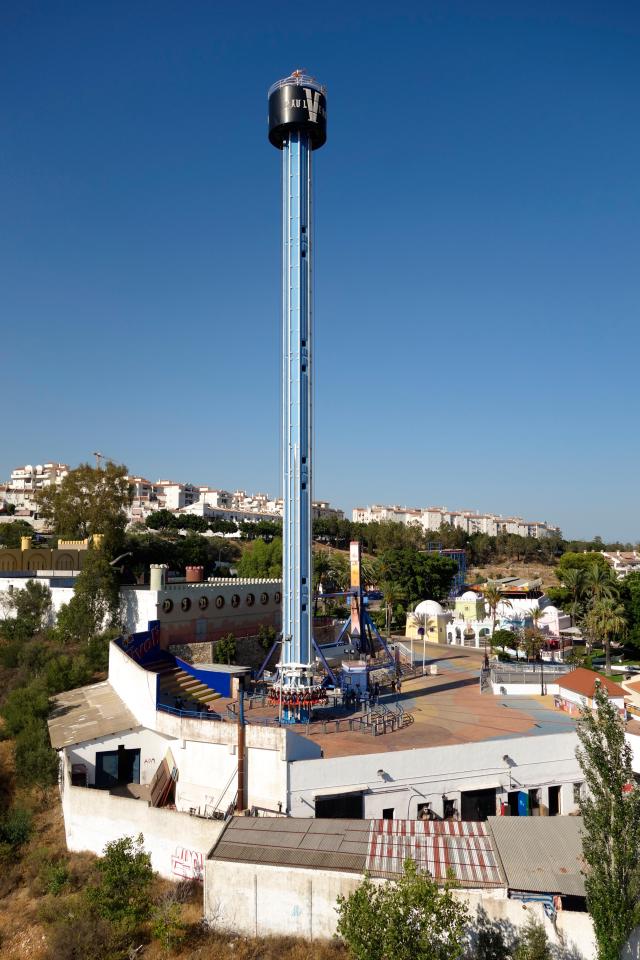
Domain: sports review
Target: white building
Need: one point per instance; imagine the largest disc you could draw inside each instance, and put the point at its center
(622, 562)
(28, 480)
(432, 518)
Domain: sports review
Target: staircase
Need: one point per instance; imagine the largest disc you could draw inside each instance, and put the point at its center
(176, 682)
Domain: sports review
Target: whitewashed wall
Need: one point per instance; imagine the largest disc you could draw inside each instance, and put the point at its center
(262, 900)
(410, 777)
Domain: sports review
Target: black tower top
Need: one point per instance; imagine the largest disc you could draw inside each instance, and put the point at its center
(297, 103)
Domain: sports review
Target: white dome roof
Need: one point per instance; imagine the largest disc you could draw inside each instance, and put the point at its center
(430, 607)
(550, 609)
(469, 595)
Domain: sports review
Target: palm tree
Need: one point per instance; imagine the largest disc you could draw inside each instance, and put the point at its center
(600, 582)
(574, 580)
(321, 569)
(492, 597)
(606, 620)
(534, 641)
(392, 595)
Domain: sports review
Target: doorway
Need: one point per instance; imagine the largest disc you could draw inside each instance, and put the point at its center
(116, 767)
(478, 804)
(554, 801)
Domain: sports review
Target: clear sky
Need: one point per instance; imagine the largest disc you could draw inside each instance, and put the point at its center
(478, 233)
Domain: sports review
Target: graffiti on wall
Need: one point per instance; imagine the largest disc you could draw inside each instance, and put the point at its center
(188, 864)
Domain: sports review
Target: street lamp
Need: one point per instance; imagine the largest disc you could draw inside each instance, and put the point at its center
(423, 633)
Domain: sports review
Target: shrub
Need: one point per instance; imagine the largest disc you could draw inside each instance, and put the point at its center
(15, 827)
(533, 943)
(122, 894)
(23, 705)
(407, 919)
(36, 762)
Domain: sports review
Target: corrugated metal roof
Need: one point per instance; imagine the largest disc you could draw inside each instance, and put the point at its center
(540, 854)
(379, 846)
(86, 714)
(464, 850)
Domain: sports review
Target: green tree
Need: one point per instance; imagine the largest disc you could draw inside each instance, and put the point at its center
(574, 579)
(225, 649)
(160, 520)
(604, 621)
(122, 894)
(533, 943)
(492, 597)
(89, 500)
(579, 561)
(12, 533)
(262, 560)
(422, 575)
(406, 919)
(392, 596)
(630, 596)
(95, 604)
(31, 608)
(610, 810)
(36, 761)
(600, 582)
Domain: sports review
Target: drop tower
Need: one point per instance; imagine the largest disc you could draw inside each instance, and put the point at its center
(297, 127)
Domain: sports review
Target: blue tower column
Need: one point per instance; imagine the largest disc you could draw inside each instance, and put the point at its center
(297, 352)
(297, 126)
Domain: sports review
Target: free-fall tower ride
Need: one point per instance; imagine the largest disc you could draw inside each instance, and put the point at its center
(297, 127)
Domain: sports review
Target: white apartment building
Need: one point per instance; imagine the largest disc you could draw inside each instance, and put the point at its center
(432, 518)
(622, 562)
(27, 480)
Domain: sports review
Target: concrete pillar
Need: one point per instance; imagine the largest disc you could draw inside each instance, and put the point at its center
(25, 543)
(195, 574)
(157, 575)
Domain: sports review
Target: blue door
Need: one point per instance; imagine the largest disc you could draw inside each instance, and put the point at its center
(523, 804)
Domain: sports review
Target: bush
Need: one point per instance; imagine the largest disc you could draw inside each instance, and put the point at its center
(23, 705)
(15, 827)
(407, 919)
(225, 649)
(36, 761)
(533, 943)
(122, 894)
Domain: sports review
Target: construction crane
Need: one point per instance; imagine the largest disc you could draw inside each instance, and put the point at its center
(100, 457)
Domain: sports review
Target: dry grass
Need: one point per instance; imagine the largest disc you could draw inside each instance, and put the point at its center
(510, 568)
(209, 945)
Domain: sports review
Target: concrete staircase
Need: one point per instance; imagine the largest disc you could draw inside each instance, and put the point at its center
(176, 682)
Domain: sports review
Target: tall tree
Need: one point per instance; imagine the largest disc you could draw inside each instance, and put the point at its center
(574, 579)
(605, 620)
(600, 582)
(392, 595)
(89, 500)
(611, 826)
(492, 597)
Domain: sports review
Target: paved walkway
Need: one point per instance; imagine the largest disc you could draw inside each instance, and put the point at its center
(446, 709)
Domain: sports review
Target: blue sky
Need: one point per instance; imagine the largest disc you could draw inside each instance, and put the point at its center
(477, 238)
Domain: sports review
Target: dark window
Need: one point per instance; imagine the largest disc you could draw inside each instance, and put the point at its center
(114, 767)
(345, 806)
(478, 804)
(387, 813)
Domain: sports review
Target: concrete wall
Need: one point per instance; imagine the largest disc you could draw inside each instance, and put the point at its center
(411, 777)
(262, 900)
(59, 595)
(134, 685)
(177, 842)
(259, 602)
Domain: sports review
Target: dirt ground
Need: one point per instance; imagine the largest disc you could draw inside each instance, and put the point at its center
(511, 568)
